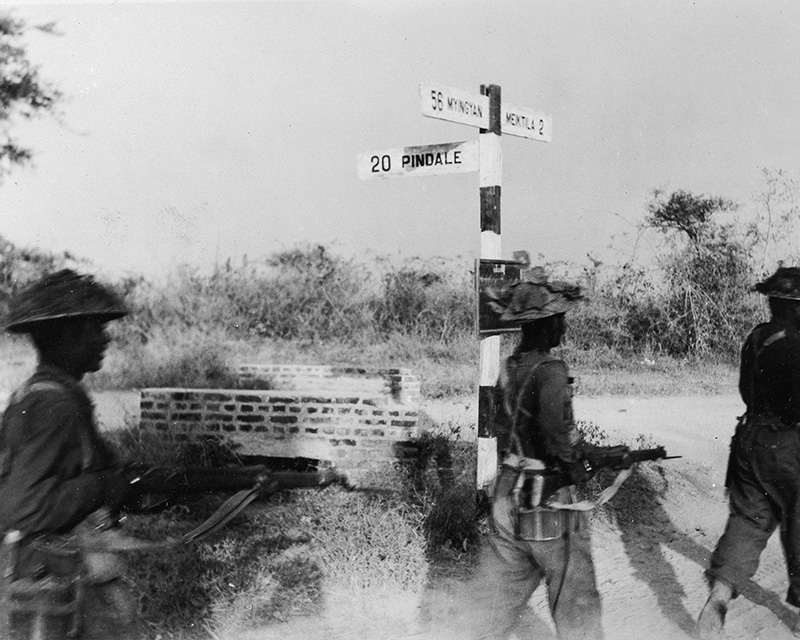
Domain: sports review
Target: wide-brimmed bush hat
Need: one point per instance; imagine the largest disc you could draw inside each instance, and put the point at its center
(784, 283)
(534, 298)
(63, 294)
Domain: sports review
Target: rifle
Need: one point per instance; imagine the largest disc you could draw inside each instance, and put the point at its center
(616, 458)
(621, 457)
(156, 488)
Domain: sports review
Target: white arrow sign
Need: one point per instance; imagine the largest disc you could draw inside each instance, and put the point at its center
(525, 123)
(454, 105)
(433, 159)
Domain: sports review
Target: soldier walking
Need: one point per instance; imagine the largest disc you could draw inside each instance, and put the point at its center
(57, 477)
(763, 478)
(532, 541)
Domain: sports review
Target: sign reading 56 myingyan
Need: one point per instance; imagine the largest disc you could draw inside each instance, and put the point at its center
(455, 105)
(432, 159)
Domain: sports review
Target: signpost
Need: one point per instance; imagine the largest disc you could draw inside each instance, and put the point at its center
(494, 118)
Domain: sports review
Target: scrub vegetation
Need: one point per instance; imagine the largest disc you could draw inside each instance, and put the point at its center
(672, 327)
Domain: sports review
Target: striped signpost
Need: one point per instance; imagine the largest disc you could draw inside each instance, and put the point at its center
(493, 118)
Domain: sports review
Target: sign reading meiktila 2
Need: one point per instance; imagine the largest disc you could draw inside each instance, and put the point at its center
(525, 123)
(433, 159)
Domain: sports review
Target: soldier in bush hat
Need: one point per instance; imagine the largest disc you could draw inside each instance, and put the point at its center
(56, 474)
(539, 543)
(763, 479)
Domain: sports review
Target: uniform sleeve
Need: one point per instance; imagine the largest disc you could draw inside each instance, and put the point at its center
(41, 493)
(746, 371)
(555, 416)
(789, 364)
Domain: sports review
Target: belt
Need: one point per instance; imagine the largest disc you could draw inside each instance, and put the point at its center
(520, 463)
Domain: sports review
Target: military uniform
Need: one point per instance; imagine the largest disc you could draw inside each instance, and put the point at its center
(532, 542)
(764, 472)
(56, 475)
(763, 478)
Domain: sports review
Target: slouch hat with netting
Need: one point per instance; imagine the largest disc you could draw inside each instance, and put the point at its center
(63, 294)
(784, 283)
(534, 298)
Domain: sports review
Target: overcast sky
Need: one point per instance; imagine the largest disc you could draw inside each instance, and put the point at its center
(200, 131)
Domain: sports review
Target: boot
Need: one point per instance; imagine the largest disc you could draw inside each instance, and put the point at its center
(712, 617)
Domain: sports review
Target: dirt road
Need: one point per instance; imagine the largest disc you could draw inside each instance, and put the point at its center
(650, 565)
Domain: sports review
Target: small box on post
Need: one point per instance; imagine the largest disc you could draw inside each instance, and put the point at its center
(494, 275)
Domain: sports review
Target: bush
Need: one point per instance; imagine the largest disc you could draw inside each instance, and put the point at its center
(426, 299)
(172, 357)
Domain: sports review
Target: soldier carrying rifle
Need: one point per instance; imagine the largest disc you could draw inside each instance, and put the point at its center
(61, 488)
(540, 529)
(56, 473)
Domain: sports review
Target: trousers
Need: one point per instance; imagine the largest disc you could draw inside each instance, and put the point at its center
(515, 568)
(764, 494)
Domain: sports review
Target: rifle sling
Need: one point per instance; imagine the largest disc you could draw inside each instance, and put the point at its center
(604, 496)
(118, 541)
(228, 510)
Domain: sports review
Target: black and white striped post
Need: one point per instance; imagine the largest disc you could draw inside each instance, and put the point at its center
(492, 118)
(490, 178)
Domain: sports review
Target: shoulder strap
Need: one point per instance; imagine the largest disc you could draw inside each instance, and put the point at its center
(758, 348)
(516, 413)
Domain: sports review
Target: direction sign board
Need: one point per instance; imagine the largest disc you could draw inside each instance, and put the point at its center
(432, 159)
(525, 123)
(454, 105)
(498, 275)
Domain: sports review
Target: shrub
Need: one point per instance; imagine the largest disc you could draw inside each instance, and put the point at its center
(427, 299)
(172, 357)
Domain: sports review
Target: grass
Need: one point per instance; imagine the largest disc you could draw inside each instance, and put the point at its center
(447, 370)
(283, 559)
(329, 556)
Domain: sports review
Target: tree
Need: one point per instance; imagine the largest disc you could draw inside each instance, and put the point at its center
(708, 267)
(23, 94)
(775, 225)
(685, 212)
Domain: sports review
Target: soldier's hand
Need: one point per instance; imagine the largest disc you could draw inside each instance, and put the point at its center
(579, 471)
(266, 484)
(117, 486)
(625, 462)
(332, 476)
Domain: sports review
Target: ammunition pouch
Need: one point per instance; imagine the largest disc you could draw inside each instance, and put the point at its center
(39, 591)
(518, 509)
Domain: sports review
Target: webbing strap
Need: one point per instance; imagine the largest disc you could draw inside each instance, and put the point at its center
(604, 496)
(115, 541)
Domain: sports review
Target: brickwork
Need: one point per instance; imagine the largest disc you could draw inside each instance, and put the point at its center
(394, 385)
(357, 429)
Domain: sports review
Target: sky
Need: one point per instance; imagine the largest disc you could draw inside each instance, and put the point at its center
(194, 132)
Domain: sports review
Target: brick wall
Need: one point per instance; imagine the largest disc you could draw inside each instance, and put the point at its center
(354, 417)
(394, 385)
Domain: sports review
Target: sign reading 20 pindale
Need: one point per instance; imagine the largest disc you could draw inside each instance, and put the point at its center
(428, 160)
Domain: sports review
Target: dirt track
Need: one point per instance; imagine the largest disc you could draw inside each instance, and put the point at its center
(649, 567)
